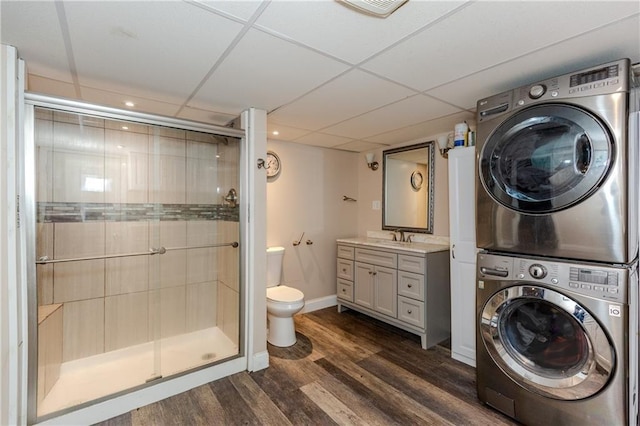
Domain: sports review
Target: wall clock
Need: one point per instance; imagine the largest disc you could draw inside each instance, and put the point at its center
(416, 180)
(273, 164)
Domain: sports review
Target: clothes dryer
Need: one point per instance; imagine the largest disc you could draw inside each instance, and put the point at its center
(552, 340)
(556, 174)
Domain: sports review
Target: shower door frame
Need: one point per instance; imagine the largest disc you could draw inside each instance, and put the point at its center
(28, 205)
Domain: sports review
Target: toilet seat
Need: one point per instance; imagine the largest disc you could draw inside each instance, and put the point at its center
(284, 294)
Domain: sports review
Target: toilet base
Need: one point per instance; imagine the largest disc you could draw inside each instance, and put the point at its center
(282, 332)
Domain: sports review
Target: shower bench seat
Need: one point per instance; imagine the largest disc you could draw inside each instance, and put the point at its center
(49, 347)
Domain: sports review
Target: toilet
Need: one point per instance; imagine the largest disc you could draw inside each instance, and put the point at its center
(282, 302)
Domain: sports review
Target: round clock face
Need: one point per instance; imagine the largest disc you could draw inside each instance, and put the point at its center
(272, 164)
(416, 180)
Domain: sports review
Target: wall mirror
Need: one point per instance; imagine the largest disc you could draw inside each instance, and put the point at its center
(407, 188)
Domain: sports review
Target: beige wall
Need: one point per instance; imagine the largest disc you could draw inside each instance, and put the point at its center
(307, 197)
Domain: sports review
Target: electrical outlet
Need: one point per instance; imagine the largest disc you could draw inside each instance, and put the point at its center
(375, 205)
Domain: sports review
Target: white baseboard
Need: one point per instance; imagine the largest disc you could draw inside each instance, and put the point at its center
(464, 358)
(319, 303)
(260, 361)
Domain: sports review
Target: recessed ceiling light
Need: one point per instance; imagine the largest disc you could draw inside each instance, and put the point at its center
(129, 104)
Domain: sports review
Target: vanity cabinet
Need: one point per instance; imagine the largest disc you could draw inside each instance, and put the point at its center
(375, 287)
(406, 288)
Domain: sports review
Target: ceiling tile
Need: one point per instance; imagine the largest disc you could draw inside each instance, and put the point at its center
(116, 100)
(33, 28)
(345, 33)
(360, 146)
(425, 129)
(145, 55)
(487, 33)
(265, 72)
(285, 133)
(391, 117)
(296, 62)
(596, 47)
(240, 9)
(349, 95)
(206, 116)
(322, 139)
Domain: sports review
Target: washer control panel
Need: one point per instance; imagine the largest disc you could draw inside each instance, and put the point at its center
(601, 281)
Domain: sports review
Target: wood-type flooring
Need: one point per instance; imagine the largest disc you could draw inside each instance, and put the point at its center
(345, 369)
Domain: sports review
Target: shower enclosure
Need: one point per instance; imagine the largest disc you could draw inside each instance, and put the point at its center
(137, 266)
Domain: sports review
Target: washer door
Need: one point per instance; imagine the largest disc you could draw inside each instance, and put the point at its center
(547, 343)
(546, 158)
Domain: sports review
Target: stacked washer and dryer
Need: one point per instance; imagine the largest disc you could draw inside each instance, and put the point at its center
(557, 225)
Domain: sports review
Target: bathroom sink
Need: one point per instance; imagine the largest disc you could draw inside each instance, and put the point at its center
(394, 243)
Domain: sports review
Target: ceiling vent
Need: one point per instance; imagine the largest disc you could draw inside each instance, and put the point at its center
(380, 8)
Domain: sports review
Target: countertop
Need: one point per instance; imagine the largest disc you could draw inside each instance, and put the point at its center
(414, 247)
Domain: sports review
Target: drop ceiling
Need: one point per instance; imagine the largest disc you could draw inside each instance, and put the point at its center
(326, 74)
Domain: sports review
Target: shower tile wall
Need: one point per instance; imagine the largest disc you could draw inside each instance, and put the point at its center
(101, 190)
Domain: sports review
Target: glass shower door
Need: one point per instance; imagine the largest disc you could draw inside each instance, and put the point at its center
(195, 295)
(137, 273)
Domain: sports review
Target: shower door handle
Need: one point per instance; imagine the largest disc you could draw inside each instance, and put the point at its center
(43, 260)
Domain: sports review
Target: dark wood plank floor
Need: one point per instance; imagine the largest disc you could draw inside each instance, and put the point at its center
(345, 369)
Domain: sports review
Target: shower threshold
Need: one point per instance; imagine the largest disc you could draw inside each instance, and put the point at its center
(94, 377)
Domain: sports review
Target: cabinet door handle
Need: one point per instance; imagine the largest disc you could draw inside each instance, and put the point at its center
(409, 311)
(344, 269)
(409, 285)
(375, 273)
(453, 251)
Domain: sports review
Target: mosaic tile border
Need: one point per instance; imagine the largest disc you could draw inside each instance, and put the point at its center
(51, 212)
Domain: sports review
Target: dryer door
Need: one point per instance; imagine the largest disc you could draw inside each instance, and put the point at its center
(546, 158)
(547, 343)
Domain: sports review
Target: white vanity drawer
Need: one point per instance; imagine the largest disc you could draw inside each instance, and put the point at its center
(411, 285)
(411, 263)
(375, 257)
(346, 252)
(411, 311)
(345, 290)
(345, 269)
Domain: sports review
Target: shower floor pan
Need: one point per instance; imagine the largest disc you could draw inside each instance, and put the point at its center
(90, 378)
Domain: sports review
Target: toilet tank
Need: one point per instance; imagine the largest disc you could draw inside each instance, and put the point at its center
(274, 265)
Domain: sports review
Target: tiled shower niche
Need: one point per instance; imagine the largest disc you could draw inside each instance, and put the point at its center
(107, 187)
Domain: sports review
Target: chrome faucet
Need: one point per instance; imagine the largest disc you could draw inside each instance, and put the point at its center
(401, 234)
(394, 236)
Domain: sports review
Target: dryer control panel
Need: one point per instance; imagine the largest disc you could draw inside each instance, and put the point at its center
(604, 79)
(601, 80)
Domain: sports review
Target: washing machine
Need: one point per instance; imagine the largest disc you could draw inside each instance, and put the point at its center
(556, 174)
(553, 340)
